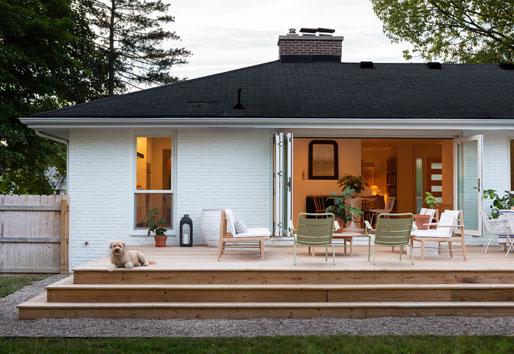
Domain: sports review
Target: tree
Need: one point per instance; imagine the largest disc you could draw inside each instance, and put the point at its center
(131, 34)
(472, 31)
(42, 44)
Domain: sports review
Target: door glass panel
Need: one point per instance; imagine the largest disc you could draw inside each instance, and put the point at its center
(419, 184)
(467, 182)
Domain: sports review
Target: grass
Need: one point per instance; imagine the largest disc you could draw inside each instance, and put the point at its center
(11, 283)
(318, 345)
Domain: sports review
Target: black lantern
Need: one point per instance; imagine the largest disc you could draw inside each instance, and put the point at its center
(186, 231)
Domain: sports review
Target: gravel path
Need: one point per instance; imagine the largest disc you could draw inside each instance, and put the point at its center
(11, 326)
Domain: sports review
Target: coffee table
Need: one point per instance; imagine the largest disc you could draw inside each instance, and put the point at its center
(348, 235)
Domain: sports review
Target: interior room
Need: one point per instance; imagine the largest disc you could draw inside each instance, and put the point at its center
(397, 173)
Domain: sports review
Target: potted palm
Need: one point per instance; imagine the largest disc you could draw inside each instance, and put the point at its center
(157, 227)
(342, 208)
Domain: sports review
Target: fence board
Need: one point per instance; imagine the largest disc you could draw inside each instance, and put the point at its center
(33, 234)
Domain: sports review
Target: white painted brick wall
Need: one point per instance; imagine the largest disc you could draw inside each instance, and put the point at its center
(215, 168)
(225, 168)
(100, 190)
(496, 162)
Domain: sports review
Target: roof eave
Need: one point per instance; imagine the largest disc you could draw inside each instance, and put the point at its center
(244, 122)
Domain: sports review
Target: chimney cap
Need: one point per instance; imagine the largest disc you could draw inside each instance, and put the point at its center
(316, 30)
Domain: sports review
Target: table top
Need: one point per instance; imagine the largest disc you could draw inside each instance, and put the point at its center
(349, 233)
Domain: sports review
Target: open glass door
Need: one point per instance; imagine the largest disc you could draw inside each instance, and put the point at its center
(468, 181)
(283, 183)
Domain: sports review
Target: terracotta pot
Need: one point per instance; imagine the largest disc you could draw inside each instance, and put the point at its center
(160, 241)
(422, 221)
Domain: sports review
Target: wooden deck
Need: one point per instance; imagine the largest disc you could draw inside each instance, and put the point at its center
(281, 257)
(190, 283)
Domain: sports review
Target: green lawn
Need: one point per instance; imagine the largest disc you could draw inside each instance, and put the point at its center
(11, 283)
(275, 345)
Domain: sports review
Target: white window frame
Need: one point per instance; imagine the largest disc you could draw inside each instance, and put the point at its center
(153, 134)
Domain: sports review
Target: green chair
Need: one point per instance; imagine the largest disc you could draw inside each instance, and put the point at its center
(392, 230)
(315, 230)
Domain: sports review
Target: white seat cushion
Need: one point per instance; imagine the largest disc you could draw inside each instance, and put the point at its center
(431, 233)
(255, 232)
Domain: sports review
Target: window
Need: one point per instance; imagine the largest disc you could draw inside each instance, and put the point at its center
(323, 160)
(153, 189)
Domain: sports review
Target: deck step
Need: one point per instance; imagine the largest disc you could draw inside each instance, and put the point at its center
(40, 308)
(148, 275)
(65, 291)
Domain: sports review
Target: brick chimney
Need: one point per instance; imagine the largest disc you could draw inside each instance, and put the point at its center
(313, 44)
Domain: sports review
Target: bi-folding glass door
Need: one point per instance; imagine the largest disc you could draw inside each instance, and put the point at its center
(283, 184)
(468, 181)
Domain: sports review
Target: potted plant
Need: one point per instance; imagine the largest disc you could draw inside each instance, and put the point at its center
(498, 202)
(156, 227)
(342, 208)
(355, 183)
(430, 200)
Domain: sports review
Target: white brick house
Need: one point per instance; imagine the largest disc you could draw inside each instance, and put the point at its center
(211, 152)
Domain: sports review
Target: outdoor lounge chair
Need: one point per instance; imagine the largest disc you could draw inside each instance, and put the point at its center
(444, 232)
(229, 236)
(392, 230)
(315, 230)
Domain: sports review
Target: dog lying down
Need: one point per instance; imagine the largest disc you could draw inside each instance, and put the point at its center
(121, 257)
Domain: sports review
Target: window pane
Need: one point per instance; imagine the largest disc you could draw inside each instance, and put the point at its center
(436, 165)
(437, 188)
(153, 163)
(436, 177)
(147, 201)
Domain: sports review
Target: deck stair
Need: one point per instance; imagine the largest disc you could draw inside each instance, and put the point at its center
(279, 293)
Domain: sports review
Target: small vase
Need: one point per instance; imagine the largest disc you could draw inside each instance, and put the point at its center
(160, 241)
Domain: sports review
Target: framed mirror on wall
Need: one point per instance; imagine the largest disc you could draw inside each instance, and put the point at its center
(323, 159)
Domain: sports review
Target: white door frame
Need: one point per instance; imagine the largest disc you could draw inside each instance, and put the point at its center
(479, 183)
(283, 183)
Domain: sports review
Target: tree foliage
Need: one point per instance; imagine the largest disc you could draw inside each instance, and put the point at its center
(130, 34)
(42, 43)
(59, 52)
(472, 31)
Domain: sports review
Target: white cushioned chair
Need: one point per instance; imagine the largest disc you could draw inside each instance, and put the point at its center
(229, 236)
(444, 231)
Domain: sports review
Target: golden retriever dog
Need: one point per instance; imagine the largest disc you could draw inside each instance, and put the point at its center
(121, 257)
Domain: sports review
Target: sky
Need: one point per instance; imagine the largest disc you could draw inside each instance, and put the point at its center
(229, 34)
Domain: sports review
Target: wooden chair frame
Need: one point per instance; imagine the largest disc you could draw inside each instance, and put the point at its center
(461, 238)
(228, 238)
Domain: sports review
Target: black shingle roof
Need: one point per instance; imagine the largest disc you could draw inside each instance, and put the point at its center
(321, 89)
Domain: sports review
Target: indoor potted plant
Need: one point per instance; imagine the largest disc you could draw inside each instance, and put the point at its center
(355, 183)
(156, 227)
(342, 209)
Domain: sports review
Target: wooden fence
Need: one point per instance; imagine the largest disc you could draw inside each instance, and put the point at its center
(33, 234)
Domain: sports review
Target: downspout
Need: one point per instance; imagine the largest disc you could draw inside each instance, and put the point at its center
(58, 140)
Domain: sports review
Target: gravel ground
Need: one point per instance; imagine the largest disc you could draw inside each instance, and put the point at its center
(11, 326)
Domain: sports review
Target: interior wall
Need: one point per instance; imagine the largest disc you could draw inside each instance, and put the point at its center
(349, 154)
(376, 157)
(355, 153)
(406, 151)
